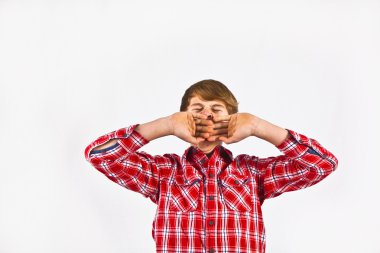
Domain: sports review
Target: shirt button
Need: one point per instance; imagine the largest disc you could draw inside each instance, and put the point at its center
(211, 175)
(211, 222)
(211, 250)
(236, 181)
(211, 197)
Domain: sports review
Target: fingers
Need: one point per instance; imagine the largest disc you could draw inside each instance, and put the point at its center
(203, 126)
(221, 125)
(216, 137)
(209, 118)
(213, 128)
(227, 140)
(203, 122)
(203, 129)
(222, 118)
(194, 140)
(218, 132)
(202, 135)
(201, 119)
(222, 128)
(207, 128)
(199, 116)
(224, 139)
(198, 140)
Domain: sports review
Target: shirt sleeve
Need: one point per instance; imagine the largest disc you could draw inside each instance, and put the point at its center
(304, 163)
(124, 165)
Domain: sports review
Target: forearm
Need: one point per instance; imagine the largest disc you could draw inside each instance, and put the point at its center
(269, 132)
(150, 131)
(106, 145)
(123, 164)
(155, 129)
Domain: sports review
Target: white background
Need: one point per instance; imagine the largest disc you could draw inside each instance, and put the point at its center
(71, 71)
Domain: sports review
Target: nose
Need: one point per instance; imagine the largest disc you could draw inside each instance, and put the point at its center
(207, 112)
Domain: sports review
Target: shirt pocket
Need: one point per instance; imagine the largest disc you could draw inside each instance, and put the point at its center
(184, 194)
(235, 192)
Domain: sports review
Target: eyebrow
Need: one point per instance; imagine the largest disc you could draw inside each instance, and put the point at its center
(201, 105)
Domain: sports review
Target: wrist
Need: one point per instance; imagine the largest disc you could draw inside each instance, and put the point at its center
(256, 124)
(270, 132)
(169, 124)
(154, 129)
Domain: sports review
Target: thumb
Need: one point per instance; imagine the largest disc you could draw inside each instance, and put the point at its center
(226, 140)
(195, 140)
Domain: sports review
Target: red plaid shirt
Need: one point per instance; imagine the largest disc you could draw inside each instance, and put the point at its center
(210, 204)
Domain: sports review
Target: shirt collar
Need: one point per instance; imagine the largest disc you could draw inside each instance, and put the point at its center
(194, 158)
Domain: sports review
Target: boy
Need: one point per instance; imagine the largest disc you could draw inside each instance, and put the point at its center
(207, 200)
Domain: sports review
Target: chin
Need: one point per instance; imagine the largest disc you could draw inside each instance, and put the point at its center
(207, 146)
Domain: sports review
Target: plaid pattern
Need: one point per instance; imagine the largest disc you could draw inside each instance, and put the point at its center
(210, 205)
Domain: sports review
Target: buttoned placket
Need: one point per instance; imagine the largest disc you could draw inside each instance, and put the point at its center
(211, 205)
(210, 168)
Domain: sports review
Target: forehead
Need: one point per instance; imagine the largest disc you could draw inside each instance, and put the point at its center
(197, 101)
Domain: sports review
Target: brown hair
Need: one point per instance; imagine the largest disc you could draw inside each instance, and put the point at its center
(210, 90)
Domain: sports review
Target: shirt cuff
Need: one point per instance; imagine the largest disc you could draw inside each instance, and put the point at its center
(128, 138)
(295, 145)
(131, 140)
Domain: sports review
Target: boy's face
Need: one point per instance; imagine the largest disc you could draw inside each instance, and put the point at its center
(214, 108)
